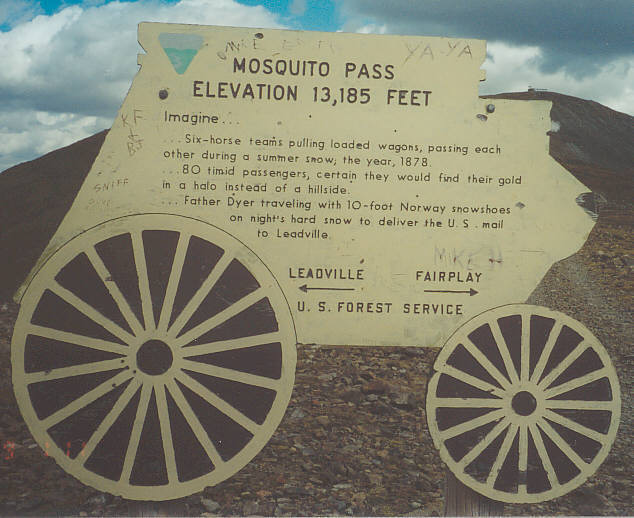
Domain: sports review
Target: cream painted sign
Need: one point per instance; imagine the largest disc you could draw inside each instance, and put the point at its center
(264, 188)
(387, 202)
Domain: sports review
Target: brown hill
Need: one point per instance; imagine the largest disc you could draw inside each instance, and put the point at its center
(594, 142)
(34, 197)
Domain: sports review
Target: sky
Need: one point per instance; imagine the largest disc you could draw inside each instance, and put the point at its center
(67, 64)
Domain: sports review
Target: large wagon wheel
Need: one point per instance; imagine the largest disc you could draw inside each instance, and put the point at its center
(153, 356)
(524, 405)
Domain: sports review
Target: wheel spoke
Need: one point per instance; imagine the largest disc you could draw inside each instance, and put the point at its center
(548, 347)
(574, 426)
(231, 374)
(486, 363)
(523, 448)
(108, 421)
(72, 338)
(86, 399)
(220, 318)
(472, 424)
(482, 445)
(500, 342)
(115, 292)
(200, 295)
(90, 312)
(166, 434)
(562, 445)
(230, 345)
(472, 380)
(543, 455)
(75, 370)
(220, 404)
(457, 402)
(575, 404)
(525, 350)
(504, 450)
(144, 281)
(195, 425)
(172, 284)
(564, 364)
(576, 383)
(135, 436)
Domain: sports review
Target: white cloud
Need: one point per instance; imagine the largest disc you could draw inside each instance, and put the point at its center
(514, 69)
(372, 28)
(36, 133)
(65, 75)
(16, 11)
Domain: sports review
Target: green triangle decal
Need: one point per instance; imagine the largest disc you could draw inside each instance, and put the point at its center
(180, 48)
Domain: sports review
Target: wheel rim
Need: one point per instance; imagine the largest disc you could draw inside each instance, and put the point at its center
(153, 355)
(524, 404)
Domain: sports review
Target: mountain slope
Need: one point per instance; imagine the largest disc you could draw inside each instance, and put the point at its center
(34, 197)
(592, 141)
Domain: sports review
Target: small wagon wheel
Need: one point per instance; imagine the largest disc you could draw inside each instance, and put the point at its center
(524, 404)
(153, 355)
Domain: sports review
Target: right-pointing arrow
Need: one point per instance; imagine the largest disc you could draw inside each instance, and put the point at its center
(470, 291)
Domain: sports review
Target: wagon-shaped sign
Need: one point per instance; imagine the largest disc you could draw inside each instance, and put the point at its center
(260, 189)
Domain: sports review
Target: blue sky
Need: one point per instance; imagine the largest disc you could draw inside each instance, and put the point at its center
(60, 83)
(314, 16)
(300, 14)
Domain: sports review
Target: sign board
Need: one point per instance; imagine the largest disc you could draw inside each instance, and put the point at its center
(387, 199)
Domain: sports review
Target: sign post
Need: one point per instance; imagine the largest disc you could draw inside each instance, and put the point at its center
(461, 500)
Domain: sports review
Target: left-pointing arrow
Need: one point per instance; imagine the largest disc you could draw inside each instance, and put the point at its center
(305, 288)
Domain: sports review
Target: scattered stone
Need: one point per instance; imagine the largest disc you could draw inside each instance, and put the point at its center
(375, 387)
(323, 420)
(297, 413)
(250, 508)
(98, 500)
(351, 448)
(339, 505)
(382, 409)
(375, 479)
(352, 396)
(210, 505)
(403, 399)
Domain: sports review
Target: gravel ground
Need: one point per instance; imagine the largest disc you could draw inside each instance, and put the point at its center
(354, 440)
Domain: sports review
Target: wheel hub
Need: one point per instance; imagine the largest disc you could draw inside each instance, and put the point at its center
(524, 403)
(154, 357)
